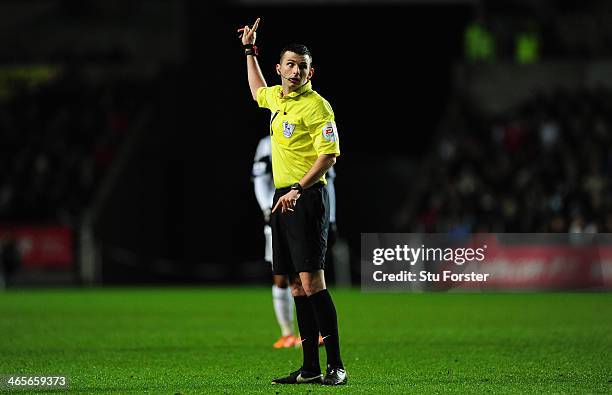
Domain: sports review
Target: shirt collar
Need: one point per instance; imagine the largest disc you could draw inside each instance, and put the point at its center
(307, 87)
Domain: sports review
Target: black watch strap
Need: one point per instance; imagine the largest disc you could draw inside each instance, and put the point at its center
(250, 49)
(297, 187)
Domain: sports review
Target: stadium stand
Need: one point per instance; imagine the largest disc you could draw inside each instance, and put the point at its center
(57, 143)
(542, 166)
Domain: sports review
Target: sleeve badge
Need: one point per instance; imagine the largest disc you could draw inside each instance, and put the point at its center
(329, 132)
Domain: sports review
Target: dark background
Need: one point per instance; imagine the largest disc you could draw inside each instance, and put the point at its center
(386, 72)
(140, 139)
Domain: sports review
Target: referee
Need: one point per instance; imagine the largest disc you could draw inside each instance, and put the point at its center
(304, 146)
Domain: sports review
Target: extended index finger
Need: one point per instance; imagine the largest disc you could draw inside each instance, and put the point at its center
(255, 24)
(276, 206)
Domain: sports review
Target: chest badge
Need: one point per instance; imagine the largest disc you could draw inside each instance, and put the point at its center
(288, 129)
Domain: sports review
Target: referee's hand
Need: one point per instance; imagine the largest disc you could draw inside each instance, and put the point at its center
(287, 201)
(248, 34)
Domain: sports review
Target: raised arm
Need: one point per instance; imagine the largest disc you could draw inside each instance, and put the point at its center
(256, 79)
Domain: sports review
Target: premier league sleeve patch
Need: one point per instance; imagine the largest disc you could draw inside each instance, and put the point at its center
(330, 132)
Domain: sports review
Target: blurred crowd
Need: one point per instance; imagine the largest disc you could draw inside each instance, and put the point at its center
(544, 166)
(57, 142)
(530, 31)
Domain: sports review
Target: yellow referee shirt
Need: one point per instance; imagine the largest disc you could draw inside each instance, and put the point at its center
(302, 127)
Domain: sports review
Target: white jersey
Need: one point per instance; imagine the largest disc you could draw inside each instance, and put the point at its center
(262, 174)
(264, 183)
(330, 176)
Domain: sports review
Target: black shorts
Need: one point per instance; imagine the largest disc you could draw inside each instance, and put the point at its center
(299, 238)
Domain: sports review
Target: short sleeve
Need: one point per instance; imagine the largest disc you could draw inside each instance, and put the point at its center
(322, 128)
(264, 96)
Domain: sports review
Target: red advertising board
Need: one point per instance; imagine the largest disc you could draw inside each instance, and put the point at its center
(42, 246)
(537, 266)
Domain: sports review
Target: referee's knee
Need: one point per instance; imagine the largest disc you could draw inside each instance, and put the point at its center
(297, 290)
(312, 289)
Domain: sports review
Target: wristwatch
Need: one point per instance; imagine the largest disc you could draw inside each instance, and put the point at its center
(250, 49)
(297, 187)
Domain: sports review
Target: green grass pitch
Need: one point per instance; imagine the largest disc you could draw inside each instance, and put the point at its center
(218, 340)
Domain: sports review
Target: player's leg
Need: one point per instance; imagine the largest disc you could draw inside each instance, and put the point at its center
(282, 264)
(307, 324)
(310, 371)
(324, 310)
(309, 239)
(283, 308)
(281, 299)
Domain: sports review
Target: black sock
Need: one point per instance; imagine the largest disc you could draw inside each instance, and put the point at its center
(309, 333)
(325, 311)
